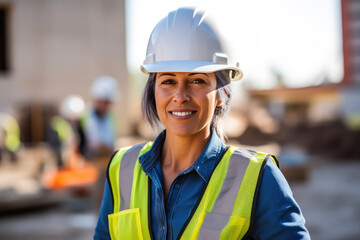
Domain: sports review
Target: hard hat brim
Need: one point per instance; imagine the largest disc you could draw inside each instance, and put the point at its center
(190, 66)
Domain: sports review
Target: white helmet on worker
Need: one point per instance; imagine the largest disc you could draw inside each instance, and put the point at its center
(187, 41)
(72, 107)
(105, 88)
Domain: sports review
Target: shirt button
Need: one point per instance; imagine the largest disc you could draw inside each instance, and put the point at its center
(177, 186)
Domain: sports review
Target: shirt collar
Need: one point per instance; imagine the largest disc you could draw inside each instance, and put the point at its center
(207, 161)
(149, 159)
(204, 165)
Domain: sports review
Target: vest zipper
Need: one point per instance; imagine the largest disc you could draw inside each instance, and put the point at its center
(199, 200)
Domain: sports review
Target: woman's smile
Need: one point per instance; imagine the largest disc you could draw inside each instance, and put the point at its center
(182, 114)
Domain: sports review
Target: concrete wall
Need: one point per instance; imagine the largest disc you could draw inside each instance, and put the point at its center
(58, 47)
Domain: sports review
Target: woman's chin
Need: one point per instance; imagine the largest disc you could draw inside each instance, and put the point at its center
(184, 131)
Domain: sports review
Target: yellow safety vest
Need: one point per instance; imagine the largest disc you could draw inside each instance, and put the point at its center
(12, 130)
(225, 209)
(62, 128)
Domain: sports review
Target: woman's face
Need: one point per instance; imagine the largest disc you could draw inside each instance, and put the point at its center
(186, 102)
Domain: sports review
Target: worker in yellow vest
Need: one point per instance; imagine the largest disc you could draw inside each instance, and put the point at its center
(66, 135)
(188, 184)
(9, 136)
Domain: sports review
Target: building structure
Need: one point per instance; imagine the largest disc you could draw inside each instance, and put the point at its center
(331, 111)
(51, 49)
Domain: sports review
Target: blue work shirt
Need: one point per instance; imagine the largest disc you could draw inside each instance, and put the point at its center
(277, 215)
(99, 130)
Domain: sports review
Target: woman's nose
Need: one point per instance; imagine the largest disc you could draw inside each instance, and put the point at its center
(181, 95)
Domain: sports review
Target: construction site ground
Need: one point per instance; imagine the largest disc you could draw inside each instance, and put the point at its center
(329, 199)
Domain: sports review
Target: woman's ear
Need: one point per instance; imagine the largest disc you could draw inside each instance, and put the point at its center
(226, 92)
(219, 102)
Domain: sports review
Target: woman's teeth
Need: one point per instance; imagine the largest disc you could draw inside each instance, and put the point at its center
(181, 113)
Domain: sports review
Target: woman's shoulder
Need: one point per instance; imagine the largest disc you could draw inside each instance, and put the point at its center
(252, 155)
(130, 150)
(133, 147)
(280, 218)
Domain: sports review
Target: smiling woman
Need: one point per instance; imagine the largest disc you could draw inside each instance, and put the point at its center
(188, 184)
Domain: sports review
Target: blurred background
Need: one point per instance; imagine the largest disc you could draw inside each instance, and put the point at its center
(66, 64)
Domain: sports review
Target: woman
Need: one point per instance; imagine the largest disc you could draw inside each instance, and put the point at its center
(188, 184)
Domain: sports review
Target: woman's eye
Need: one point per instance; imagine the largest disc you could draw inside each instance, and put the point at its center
(167, 82)
(198, 81)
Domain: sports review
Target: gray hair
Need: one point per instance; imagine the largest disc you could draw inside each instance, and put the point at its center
(224, 93)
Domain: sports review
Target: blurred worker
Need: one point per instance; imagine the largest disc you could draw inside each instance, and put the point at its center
(100, 130)
(9, 136)
(67, 136)
(73, 171)
(99, 123)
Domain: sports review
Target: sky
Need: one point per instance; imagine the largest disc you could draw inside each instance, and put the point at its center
(298, 40)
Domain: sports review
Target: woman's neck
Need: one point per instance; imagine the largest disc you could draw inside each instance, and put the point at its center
(179, 152)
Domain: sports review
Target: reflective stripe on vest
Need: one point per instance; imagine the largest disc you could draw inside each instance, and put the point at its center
(224, 211)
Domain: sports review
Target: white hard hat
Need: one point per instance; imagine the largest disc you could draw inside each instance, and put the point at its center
(104, 87)
(72, 107)
(186, 41)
